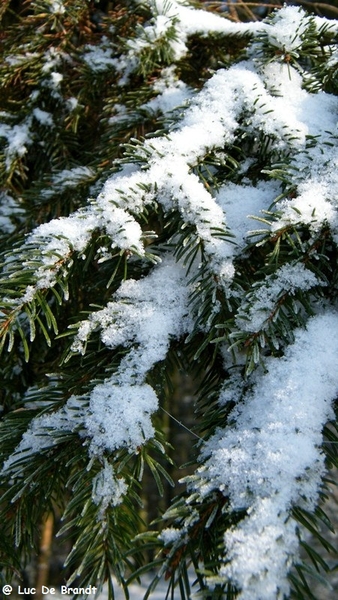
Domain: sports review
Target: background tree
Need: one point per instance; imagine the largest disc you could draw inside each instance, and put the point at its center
(142, 144)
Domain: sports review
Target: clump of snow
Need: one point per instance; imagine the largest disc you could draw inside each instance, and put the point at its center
(143, 316)
(51, 59)
(18, 59)
(108, 490)
(119, 416)
(64, 234)
(19, 138)
(68, 178)
(288, 29)
(44, 117)
(10, 211)
(314, 203)
(160, 26)
(170, 535)
(99, 58)
(173, 22)
(43, 433)
(240, 201)
(72, 103)
(261, 303)
(271, 458)
(56, 79)
(172, 92)
(57, 7)
(190, 21)
(117, 413)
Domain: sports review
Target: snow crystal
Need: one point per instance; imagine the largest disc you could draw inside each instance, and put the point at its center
(196, 21)
(124, 230)
(312, 205)
(146, 313)
(256, 538)
(59, 238)
(72, 103)
(18, 59)
(67, 178)
(270, 460)
(160, 27)
(71, 177)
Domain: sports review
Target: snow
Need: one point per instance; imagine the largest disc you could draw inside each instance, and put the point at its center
(174, 22)
(262, 302)
(17, 59)
(57, 7)
(271, 458)
(172, 92)
(19, 138)
(240, 202)
(119, 416)
(196, 21)
(63, 233)
(44, 117)
(108, 490)
(284, 111)
(170, 535)
(43, 433)
(56, 79)
(146, 314)
(289, 28)
(117, 413)
(51, 59)
(10, 210)
(100, 57)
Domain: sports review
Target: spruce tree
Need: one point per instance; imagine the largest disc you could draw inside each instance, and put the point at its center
(168, 204)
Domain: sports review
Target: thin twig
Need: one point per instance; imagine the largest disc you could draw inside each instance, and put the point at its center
(181, 424)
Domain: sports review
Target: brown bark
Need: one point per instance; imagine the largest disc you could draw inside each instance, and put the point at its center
(44, 555)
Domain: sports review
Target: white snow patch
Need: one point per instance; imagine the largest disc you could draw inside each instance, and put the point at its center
(119, 416)
(108, 490)
(271, 459)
